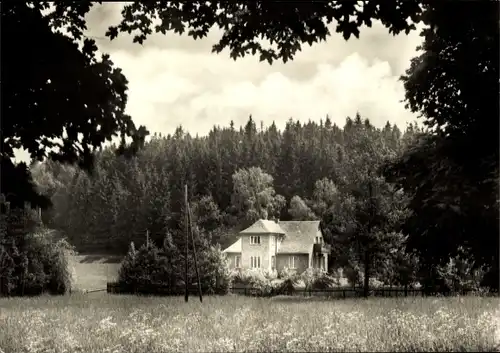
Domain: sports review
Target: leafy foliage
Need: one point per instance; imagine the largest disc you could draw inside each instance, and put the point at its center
(459, 54)
(254, 196)
(462, 207)
(452, 176)
(144, 267)
(299, 211)
(460, 273)
(360, 224)
(317, 279)
(62, 101)
(244, 24)
(32, 260)
(150, 266)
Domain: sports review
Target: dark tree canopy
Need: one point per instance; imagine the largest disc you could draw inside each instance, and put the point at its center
(286, 26)
(55, 93)
(453, 175)
(453, 83)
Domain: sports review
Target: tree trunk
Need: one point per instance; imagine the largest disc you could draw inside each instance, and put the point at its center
(367, 274)
(368, 234)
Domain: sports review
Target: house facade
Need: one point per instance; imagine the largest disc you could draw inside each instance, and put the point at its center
(270, 245)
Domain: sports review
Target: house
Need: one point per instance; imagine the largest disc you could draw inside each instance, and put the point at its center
(268, 245)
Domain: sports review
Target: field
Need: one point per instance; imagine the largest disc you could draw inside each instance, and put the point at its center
(98, 322)
(92, 272)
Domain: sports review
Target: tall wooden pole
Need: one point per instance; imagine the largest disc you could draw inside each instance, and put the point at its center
(194, 255)
(186, 293)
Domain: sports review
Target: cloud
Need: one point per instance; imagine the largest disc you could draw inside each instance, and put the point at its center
(176, 80)
(338, 91)
(169, 88)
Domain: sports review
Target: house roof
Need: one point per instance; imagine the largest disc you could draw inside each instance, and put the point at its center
(263, 226)
(299, 236)
(235, 247)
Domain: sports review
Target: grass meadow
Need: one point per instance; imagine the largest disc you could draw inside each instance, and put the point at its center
(98, 322)
(92, 272)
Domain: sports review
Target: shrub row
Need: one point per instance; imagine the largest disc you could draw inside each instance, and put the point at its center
(266, 283)
(153, 267)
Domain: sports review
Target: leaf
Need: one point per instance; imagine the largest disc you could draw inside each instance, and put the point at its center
(112, 32)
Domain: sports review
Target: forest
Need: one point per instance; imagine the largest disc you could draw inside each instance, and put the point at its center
(296, 173)
(237, 175)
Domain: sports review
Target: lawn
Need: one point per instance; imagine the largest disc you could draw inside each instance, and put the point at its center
(98, 322)
(92, 272)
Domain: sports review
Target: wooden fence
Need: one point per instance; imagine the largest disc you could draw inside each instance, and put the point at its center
(355, 292)
(159, 290)
(343, 292)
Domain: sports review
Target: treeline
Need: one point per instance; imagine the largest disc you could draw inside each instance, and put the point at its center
(237, 175)
(125, 197)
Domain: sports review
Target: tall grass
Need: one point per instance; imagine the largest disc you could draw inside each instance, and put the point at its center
(106, 323)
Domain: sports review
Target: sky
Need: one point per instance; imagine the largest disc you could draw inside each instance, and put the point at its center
(176, 80)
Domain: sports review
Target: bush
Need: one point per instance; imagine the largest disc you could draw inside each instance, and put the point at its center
(317, 279)
(144, 267)
(286, 287)
(252, 276)
(214, 271)
(32, 261)
(262, 281)
(460, 274)
(151, 266)
(288, 273)
(353, 275)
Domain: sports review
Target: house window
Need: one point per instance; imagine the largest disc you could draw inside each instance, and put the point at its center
(273, 262)
(237, 260)
(293, 261)
(319, 240)
(255, 261)
(255, 239)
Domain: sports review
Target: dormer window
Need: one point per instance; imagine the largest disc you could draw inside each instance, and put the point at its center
(255, 239)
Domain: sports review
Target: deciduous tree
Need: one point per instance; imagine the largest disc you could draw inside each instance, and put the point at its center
(254, 196)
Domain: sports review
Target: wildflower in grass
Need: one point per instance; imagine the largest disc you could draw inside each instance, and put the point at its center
(106, 324)
(248, 324)
(496, 324)
(223, 344)
(115, 349)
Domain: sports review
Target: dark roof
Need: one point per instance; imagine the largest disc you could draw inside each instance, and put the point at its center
(299, 236)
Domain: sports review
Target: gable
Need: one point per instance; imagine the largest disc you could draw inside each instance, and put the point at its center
(299, 236)
(263, 226)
